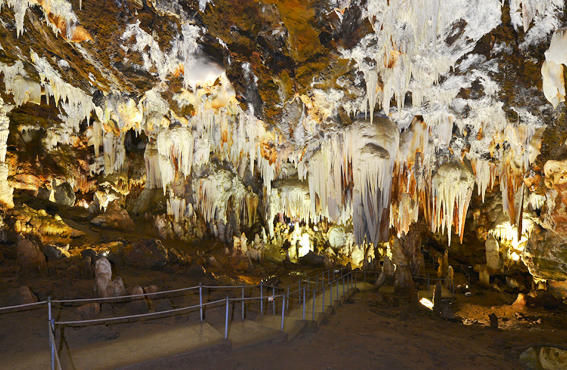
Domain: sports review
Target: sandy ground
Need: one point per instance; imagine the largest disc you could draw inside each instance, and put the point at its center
(365, 334)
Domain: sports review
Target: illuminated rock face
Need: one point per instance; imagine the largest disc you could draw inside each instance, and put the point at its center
(546, 256)
(346, 121)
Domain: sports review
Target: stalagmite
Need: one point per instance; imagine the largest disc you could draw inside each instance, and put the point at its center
(6, 191)
(492, 254)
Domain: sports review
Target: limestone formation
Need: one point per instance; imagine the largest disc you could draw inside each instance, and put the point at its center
(105, 285)
(30, 258)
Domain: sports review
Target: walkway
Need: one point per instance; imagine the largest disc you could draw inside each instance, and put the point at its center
(149, 342)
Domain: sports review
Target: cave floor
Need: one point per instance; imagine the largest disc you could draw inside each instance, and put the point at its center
(366, 333)
(373, 329)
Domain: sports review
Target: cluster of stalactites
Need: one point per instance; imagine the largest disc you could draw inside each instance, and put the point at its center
(408, 51)
(222, 195)
(452, 188)
(58, 14)
(76, 105)
(175, 151)
(523, 12)
(291, 199)
(351, 175)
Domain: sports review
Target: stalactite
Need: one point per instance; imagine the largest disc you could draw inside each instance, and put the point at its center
(452, 187)
(18, 83)
(75, 103)
(371, 149)
(523, 12)
(176, 207)
(407, 52)
(175, 148)
(484, 176)
(552, 68)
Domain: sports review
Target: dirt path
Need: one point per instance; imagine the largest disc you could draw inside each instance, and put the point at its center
(367, 335)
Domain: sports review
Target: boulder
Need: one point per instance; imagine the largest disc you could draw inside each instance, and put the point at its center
(157, 302)
(544, 358)
(116, 288)
(54, 252)
(86, 270)
(88, 311)
(46, 227)
(138, 305)
(545, 255)
(29, 256)
(24, 295)
(313, 259)
(64, 194)
(149, 254)
(114, 218)
(558, 289)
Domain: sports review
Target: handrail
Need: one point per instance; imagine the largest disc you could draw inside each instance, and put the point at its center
(6, 308)
(141, 295)
(303, 280)
(149, 314)
(158, 313)
(346, 277)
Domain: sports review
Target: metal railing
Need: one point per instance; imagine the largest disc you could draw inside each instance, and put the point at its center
(427, 278)
(314, 284)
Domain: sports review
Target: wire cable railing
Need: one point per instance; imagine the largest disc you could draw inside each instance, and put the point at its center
(332, 283)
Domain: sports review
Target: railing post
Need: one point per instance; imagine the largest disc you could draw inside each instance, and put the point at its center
(287, 300)
(313, 309)
(283, 311)
(274, 300)
(242, 305)
(262, 297)
(50, 328)
(331, 292)
(338, 291)
(323, 294)
(303, 303)
(226, 320)
(343, 280)
(201, 301)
